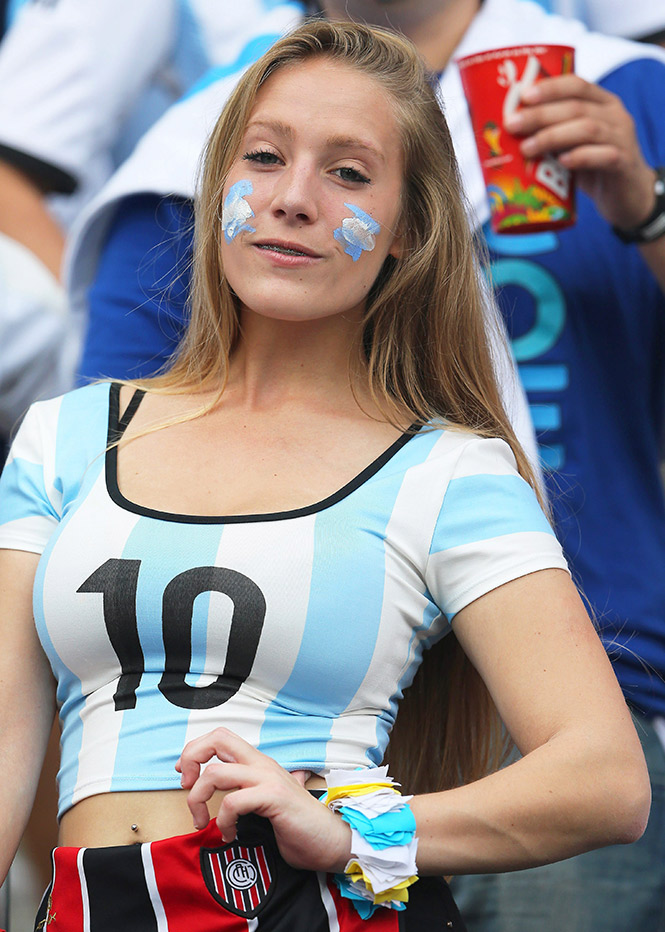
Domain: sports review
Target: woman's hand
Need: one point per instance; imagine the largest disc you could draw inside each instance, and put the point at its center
(591, 132)
(309, 836)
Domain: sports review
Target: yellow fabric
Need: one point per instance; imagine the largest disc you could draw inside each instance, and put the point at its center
(356, 789)
(399, 892)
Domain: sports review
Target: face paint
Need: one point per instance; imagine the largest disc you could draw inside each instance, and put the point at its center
(357, 233)
(236, 211)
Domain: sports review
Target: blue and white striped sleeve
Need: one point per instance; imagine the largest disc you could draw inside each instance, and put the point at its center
(30, 501)
(490, 529)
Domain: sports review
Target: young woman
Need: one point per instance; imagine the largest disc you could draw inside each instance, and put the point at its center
(244, 559)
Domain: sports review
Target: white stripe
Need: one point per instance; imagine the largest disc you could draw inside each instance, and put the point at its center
(237, 551)
(408, 534)
(328, 902)
(252, 925)
(151, 883)
(84, 890)
(484, 456)
(458, 576)
(30, 534)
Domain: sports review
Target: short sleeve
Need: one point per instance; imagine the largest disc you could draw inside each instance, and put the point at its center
(29, 500)
(490, 529)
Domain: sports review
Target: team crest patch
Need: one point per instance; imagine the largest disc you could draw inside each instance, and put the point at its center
(239, 877)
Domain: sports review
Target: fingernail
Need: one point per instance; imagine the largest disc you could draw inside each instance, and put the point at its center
(513, 122)
(528, 147)
(531, 94)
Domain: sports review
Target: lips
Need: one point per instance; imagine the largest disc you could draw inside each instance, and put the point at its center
(286, 248)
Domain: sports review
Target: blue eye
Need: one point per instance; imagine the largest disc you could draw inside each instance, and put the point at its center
(352, 174)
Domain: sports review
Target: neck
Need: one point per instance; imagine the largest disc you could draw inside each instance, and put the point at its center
(436, 27)
(283, 362)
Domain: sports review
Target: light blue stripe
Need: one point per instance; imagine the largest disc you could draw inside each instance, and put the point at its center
(190, 57)
(69, 693)
(544, 378)
(81, 440)
(414, 656)
(484, 506)
(13, 8)
(75, 422)
(545, 417)
(165, 549)
(22, 491)
(343, 614)
(269, 5)
(77, 464)
(253, 50)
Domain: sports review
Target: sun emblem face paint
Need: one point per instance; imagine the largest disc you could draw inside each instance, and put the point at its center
(357, 233)
(236, 211)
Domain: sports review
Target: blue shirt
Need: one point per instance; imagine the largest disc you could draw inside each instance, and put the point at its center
(587, 323)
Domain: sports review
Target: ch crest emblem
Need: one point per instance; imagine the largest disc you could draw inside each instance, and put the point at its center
(239, 877)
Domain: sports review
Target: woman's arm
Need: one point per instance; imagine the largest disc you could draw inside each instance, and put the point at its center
(27, 700)
(581, 784)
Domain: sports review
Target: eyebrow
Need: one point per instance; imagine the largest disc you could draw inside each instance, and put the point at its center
(333, 142)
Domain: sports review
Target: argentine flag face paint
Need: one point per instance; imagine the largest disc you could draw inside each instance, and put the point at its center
(236, 211)
(357, 233)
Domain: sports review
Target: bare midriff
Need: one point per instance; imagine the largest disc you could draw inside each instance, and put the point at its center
(135, 817)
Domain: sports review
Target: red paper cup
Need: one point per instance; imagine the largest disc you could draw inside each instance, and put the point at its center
(525, 195)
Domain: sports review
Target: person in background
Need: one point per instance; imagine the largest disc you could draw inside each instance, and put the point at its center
(80, 83)
(353, 497)
(642, 20)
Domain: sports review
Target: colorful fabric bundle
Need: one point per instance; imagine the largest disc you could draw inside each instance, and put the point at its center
(383, 843)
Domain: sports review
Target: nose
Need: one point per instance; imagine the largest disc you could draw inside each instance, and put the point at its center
(294, 197)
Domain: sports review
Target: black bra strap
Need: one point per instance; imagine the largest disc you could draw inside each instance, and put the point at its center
(130, 411)
(118, 425)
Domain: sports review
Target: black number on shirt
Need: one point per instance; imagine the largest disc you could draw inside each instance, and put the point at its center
(118, 581)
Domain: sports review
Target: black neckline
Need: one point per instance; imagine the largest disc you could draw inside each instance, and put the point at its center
(116, 428)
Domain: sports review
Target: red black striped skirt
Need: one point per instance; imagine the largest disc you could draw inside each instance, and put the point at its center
(196, 883)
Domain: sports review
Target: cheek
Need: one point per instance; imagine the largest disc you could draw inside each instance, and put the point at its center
(236, 210)
(358, 232)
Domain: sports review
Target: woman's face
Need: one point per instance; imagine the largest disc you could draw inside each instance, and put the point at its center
(313, 197)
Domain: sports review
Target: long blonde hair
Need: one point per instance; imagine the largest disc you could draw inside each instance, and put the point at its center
(425, 342)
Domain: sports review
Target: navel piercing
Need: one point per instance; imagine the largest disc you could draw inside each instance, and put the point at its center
(134, 827)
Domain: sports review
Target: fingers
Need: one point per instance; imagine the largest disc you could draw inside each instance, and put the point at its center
(566, 138)
(591, 158)
(308, 835)
(220, 743)
(587, 127)
(226, 777)
(563, 125)
(238, 803)
(240, 767)
(565, 87)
